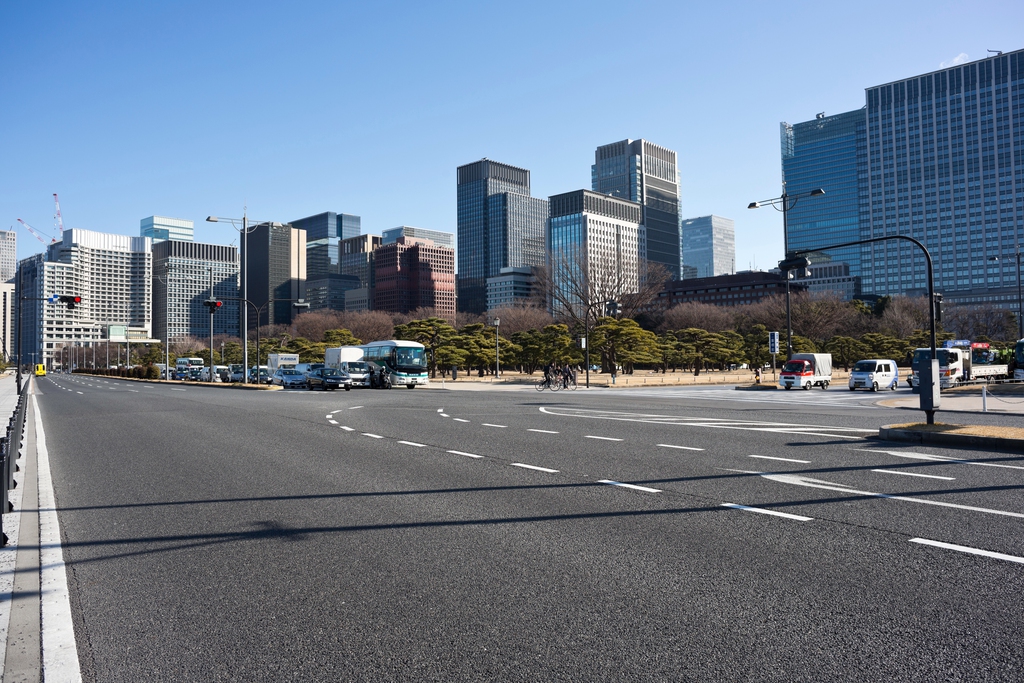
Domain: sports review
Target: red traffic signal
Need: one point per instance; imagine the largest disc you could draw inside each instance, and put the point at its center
(70, 300)
(213, 304)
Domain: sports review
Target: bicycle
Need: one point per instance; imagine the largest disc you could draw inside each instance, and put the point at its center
(548, 383)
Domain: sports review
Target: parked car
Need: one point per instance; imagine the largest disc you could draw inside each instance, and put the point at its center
(875, 374)
(328, 378)
(180, 374)
(237, 372)
(264, 377)
(288, 377)
(195, 374)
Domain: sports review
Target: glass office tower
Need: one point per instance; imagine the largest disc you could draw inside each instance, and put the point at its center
(646, 173)
(162, 229)
(709, 246)
(499, 226)
(830, 153)
(324, 233)
(947, 168)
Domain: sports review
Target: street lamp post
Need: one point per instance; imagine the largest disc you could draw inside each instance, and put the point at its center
(497, 350)
(296, 303)
(1020, 297)
(784, 204)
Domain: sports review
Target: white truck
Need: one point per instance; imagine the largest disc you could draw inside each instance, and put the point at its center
(276, 361)
(1018, 356)
(806, 370)
(349, 359)
(960, 361)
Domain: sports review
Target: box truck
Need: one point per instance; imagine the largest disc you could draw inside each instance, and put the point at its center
(807, 370)
(276, 361)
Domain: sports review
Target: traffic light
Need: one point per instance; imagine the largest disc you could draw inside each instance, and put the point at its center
(70, 300)
(213, 304)
(938, 308)
(797, 263)
(612, 309)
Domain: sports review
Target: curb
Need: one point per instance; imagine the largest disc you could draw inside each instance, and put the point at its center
(888, 433)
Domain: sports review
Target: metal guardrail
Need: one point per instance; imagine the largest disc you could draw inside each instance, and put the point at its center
(10, 452)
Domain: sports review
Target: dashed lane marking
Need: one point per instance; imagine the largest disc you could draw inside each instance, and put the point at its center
(542, 431)
(645, 489)
(769, 457)
(440, 410)
(468, 455)
(333, 422)
(488, 424)
(373, 436)
(445, 415)
(915, 474)
(968, 549)
(684, 448)
(534, 467)
(413, 443)
(601, 438)
(459, 419)
(347, 429)
(799, 518)
(354, 407)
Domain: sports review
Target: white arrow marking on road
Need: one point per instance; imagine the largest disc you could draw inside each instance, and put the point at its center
(915, 474)
(938, 458)
(967, 549)
(830, 486)
(645, 489)
(768, 457)
(799, 518)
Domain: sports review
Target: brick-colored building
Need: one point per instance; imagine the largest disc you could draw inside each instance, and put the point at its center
(746, 287)
(414, 272)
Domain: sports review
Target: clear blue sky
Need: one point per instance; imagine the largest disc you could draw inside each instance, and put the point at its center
(185, 109)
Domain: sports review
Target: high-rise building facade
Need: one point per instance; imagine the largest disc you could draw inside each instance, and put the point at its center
(412, 273)
(443, 239)
(111, 273)
(646, 173)
(324, 234)
(275, 267)
(595, 245)
(499, 226)
(709, 246)
(357, 262)
(181, 282)
(829, 153)
(933, 157)
(161, 229)
(8, 309)
(8, 255)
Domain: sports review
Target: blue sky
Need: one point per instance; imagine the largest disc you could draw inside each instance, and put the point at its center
(188, 109)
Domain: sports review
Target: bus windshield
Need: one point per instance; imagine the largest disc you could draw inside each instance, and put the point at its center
(926, 354)
(410, 359)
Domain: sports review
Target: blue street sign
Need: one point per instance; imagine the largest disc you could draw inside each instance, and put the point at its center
(773, 342)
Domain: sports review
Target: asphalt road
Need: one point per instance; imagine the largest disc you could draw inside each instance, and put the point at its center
(520, 536)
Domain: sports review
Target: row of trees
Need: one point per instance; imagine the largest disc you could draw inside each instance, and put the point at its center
(690, 336)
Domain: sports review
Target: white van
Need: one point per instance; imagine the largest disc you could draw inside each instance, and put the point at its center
(875, 374)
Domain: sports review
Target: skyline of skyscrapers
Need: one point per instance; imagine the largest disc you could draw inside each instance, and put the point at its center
(8, 255)
(181, 282)
(648, 174)
(162, 228)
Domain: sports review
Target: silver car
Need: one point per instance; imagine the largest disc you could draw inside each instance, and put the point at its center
(288, 377)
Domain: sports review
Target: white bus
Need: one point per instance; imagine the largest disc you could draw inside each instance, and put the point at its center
(405, 360)
(188, 364)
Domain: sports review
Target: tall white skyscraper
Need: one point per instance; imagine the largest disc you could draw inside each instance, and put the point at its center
(8, 255)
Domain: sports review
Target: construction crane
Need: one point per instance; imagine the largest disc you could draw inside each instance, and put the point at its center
(36, 234)
(60, 219)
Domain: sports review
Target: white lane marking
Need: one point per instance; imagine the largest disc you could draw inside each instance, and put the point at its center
(135, 390)
(60, 654)
(915, 474)
(413, 443)
(768, 457)
(172, 389)
(628, 486)
(333, 422)
(488, 424)
(335, 411)
(440, 410)
(911, 455)
(459, 419)
(373, 436)
(542, 431)
(968, 549)
(602, 438)
(347, 429)
(330, 415)
(799, 518)
(354, 407)
(445, 415)
(148, 386)
(533, 467)
(468, 455)
(684, 448)
(830, 486)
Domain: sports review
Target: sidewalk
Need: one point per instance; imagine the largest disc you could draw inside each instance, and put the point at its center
(1007, 405)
